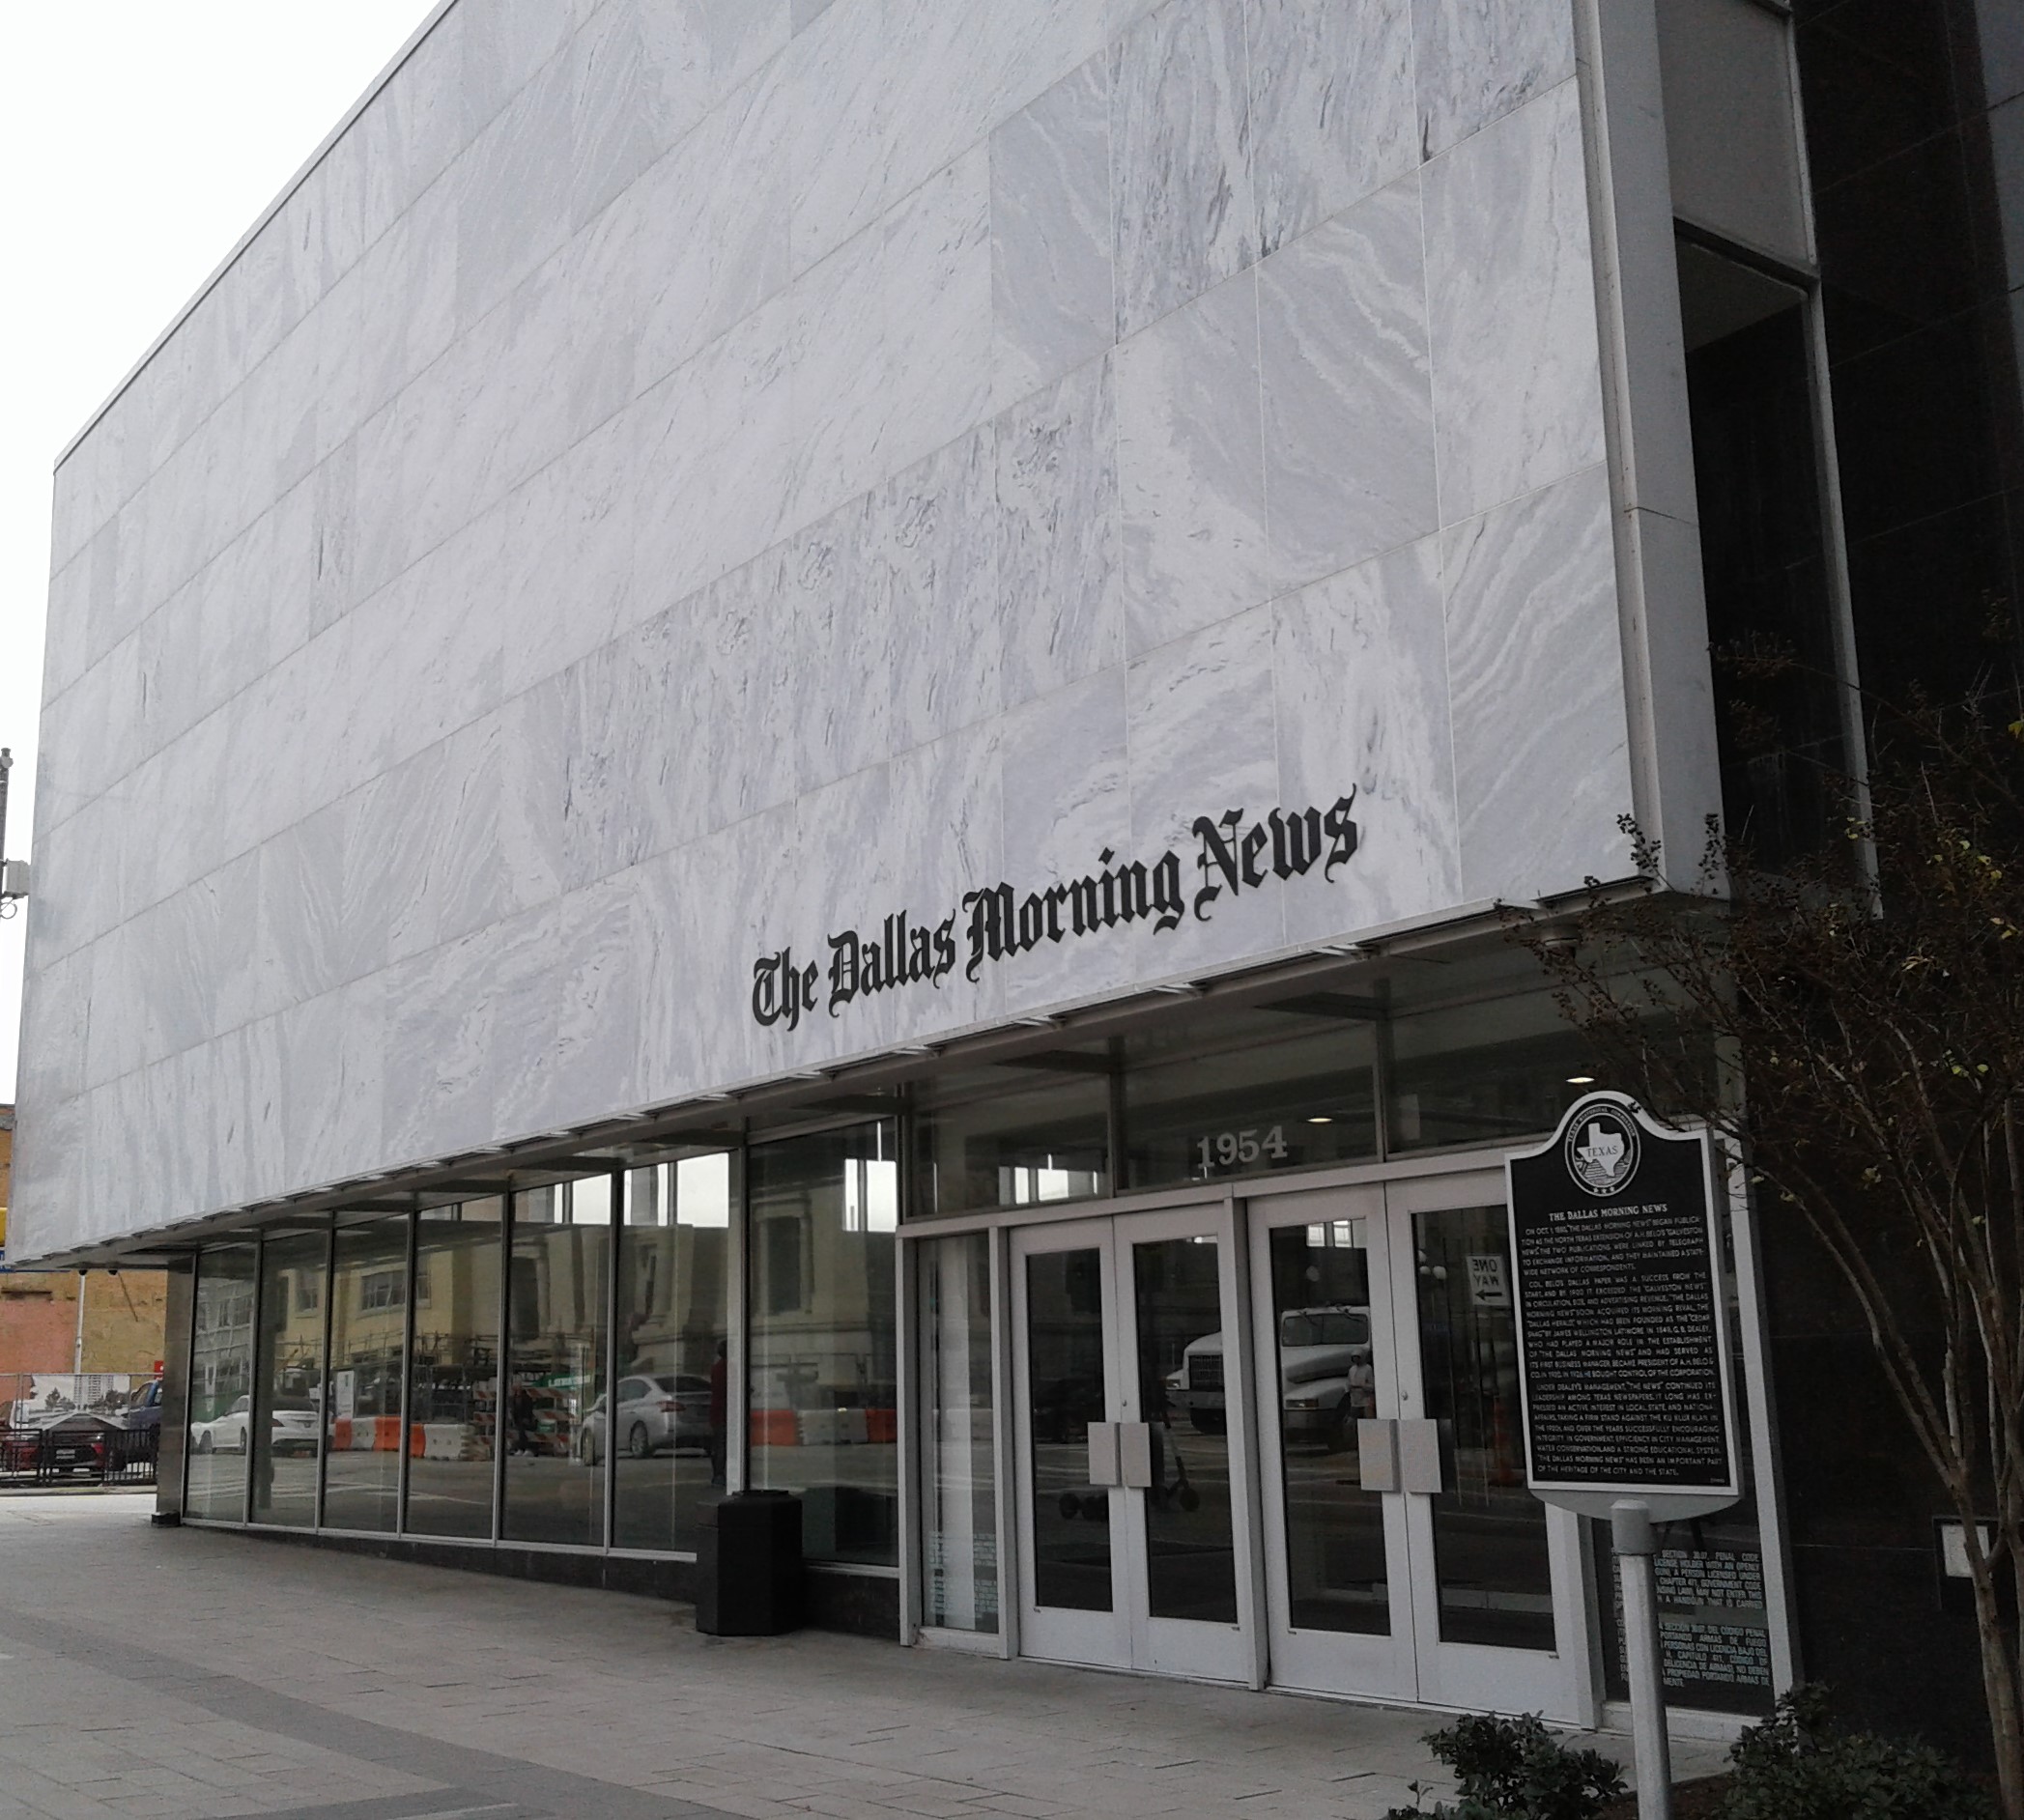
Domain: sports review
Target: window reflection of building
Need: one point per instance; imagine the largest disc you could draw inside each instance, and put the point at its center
(669, 1426)
(823, 1365)
(288, 1426)
(558, 1289)
(453, 1414)
(368, 1341)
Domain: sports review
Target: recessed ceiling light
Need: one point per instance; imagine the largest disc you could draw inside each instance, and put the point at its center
(1580, 1080)
(1321, 1119)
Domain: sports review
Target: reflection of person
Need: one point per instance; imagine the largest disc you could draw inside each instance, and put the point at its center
(720, 1410)
(523, 1419)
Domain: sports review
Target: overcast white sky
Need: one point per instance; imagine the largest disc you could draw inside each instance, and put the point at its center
(139, 139)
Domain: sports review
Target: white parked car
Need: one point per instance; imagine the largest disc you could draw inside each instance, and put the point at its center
(658, 1413)
(1325, 1381)
(292, 1428)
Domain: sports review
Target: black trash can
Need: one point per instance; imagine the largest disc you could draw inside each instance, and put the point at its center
(747, 1565)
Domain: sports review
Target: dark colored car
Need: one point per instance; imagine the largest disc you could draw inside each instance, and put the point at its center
(143, 1411)
(79, 1442)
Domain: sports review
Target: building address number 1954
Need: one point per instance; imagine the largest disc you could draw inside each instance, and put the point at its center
(1241, 1149)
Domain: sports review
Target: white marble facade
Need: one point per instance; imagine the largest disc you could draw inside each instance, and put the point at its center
(685, 477)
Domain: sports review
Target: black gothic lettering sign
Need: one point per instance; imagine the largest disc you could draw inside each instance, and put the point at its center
(995, 923)
(1622, 1331)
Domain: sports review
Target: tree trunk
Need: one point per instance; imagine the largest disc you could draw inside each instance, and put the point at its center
(1999, 1680)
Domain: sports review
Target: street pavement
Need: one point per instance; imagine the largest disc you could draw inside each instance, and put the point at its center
(190, 1675)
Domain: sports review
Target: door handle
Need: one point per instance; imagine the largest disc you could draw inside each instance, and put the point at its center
(1419, 1457)
(1135, 1455)
(1103, 1453)
(1378, 1455)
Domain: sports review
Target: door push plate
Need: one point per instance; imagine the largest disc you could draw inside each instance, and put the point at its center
(1135, 1455)
(1378, 1455)
(1419, 1457)
(1103, 1453)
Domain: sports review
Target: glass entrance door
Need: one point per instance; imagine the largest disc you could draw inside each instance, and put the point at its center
(1405, 1558)
(1131, 1522)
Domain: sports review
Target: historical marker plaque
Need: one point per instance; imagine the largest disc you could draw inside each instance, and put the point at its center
(1623, 1341)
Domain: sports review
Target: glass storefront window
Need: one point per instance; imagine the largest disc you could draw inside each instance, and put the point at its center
(671, 1434)
(1014, 1134)
(559, 1276)
(958, 1472)
(220, 1385)
(1490, 1545)
(1250, 1092)
(288, 1379)
(1480, 1054)
(368, 1342)
(1337, 1574)
(823, 1354)
(453, 1403)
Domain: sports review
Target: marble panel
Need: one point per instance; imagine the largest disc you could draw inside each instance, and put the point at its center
(533, 796)
(936, 281)
(958, 73)
(1191, 467)
(1068, 800)
(711, 221)
(744, 34)
(295, 939)
(1060, 534)
(414, 127)
(847, 871)
(117, 1039)
(1360, 666)
(524, 982)
(946, 808)
(1053, 305)
(339, 325)
(65, 628)
(243, 968)
(55, 1029)
(506, 45)
(839, 603)
(513, 205)
(464, 887)
(408, 294)
(707, 911)
(807, 11)
(616, 768)
(1517, 385)
(333, 1060)
(1535, 677)
(933, 532)
(1348, 405)
(736, 700)
(1332, 115)
(558, 562)
(440, 1089)
(334, 528)
(334, 236)
(1476, 61)
(53, 1173)
(639, 78)
(1204, 740)
(1183, 213)
(277, 570)
(839, 154)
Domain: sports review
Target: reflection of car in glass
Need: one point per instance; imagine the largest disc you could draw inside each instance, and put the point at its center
(658, 1413)
(1325, 1382)
(291, 1426)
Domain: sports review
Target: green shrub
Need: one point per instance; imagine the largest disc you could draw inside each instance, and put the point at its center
(1514, 1769)
(1796, 1765)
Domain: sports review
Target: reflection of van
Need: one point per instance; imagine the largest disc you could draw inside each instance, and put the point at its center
(1326, 1382)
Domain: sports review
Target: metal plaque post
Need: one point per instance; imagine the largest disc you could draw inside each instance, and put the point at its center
(1631, 1532)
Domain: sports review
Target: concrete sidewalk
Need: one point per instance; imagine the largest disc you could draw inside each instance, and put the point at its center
(193, 1675)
